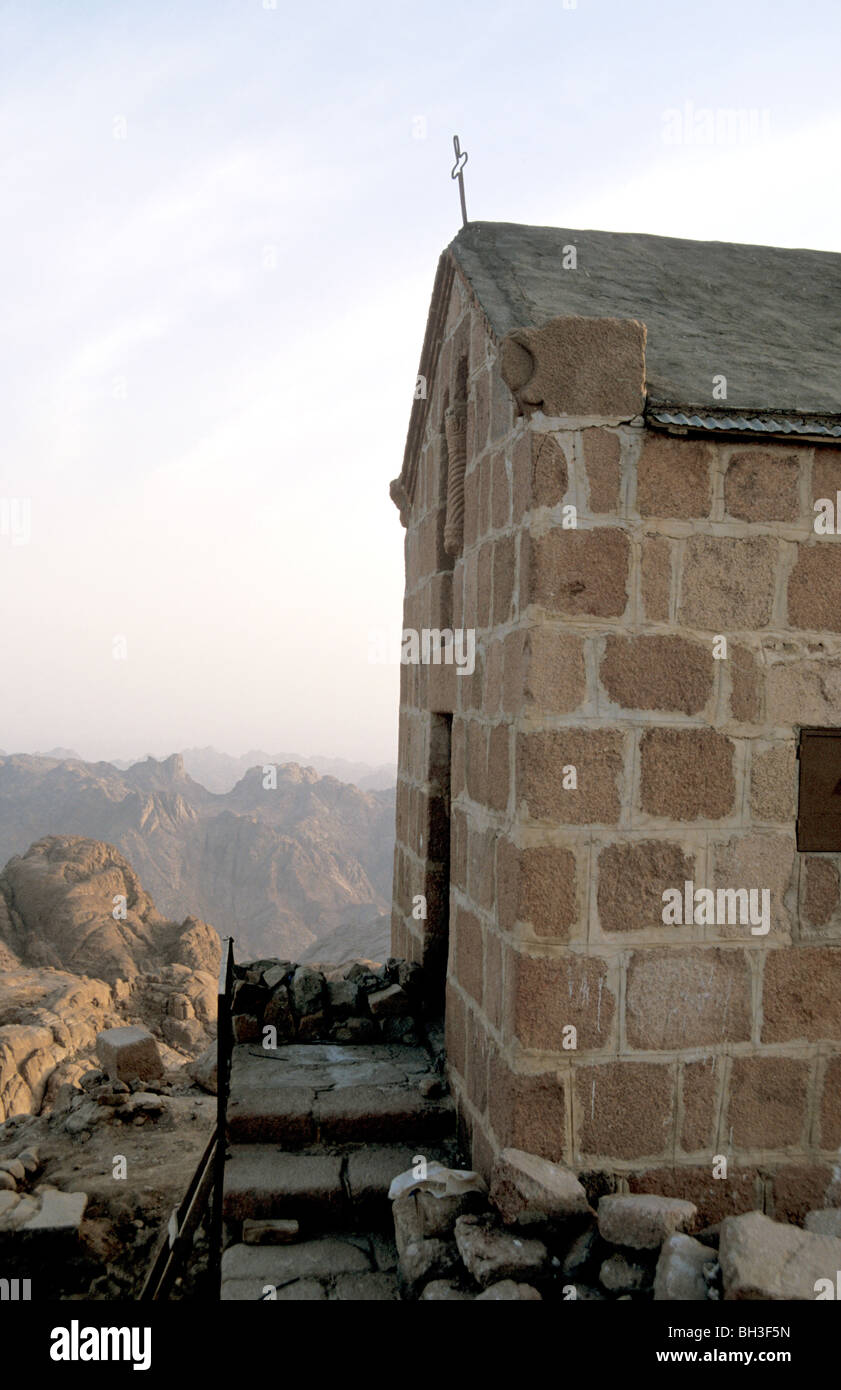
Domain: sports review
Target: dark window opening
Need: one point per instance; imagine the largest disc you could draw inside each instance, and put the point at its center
(819, 790)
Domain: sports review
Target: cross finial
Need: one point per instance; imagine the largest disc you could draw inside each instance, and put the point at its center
(461, 160)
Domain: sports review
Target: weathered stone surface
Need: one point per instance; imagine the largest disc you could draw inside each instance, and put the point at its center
(371, 1172)
(546, 993)
(821, 890)
(824, 1223)
(814, 588)
(424, 1260)
(642, 1221)
(686, 774)
(344, 998)
(491, 1254)
(597, 756)
(773, 783)
(60, 1214)
(619, 1274)
(680, 1270)
(767, 1102)
(759, 859)
(526, 1190)
(801, 994)
(577, 366)
(728, 582)
(126, 1053)
(8, 1201)
(632, 879)
(656, 578)
(269, 1232)
(578, 572)
(673, 477)
(508, 1291)
(536, 884)
(392, 1002)
(610, 1127)
(764, 1259)
(687, 997)
(247, 1028)
(762, 486)
(444, 1291)
(585, 1256)
(310, 1259)
(307, 990)
(366, 1288)
(421, 1215)
(261, 1182)
(278, 1013)
(203, 1069)
(601, 460)
(552, 669)
(657, 673)
(804, 692)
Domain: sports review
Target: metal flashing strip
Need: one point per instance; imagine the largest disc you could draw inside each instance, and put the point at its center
(742, 424)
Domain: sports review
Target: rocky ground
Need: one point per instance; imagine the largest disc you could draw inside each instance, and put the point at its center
(69, 968)
(111, 1162)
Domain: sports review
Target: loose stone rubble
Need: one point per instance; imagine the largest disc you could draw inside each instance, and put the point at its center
(358, 1003)
(534, 1236)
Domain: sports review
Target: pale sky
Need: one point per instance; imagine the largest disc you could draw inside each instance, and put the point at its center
(220, 232)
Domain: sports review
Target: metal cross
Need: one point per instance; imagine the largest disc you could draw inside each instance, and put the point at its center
(461, 160)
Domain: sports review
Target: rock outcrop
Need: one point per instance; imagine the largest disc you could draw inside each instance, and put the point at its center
(70, 968)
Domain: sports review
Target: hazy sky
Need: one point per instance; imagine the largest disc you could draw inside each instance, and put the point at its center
(220, 230)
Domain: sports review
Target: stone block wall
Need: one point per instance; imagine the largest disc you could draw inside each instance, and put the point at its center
(602, 754)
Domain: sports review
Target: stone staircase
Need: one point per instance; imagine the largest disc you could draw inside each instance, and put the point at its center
(316, 1133)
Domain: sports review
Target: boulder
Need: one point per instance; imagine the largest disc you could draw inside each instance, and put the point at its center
(585, 1256)
(680, 1275)
(202, 1070)
(60, 1214)
(491, 1254)
(247, 1028)
(619, 1274)
(527, 1190)
(392, 1002)
(444, 1290)
(128, 1052)
(761, 1258)
(507, 1291)
(278, 1012)
(644, 1221)
(345, 998)
(425, 1214)
(307, 990)
(423, 1260)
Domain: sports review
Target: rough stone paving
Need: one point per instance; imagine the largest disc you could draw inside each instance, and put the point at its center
(317, 1131)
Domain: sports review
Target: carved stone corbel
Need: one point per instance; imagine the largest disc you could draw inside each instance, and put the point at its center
(577, 366)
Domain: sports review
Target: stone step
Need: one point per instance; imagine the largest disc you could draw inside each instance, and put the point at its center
(321, 1190)
(330, 1267)
(304, 1094)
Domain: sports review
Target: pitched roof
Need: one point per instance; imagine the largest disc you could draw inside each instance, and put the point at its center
(766, 317)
